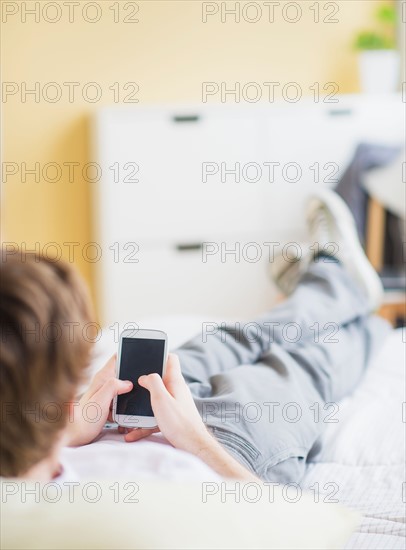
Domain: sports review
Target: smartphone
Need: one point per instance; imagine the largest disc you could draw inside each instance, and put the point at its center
(141, 351)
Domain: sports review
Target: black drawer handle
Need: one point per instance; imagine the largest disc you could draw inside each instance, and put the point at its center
(340, 112)
(186, 118)
(189, 247)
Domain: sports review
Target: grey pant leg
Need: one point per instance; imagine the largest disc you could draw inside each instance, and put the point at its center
(261, 388)
(334, 334)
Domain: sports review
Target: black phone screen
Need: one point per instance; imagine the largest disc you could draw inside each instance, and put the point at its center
(139, 356)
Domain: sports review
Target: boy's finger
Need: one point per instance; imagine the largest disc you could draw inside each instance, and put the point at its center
(122, 386)
(108, 370)
(139, 433)
(154, 384)
(109, 390)
(173, 367)
(104, 374)
(173, 378)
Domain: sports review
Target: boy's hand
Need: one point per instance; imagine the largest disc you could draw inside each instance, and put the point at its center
(93, 410)
(174, 409)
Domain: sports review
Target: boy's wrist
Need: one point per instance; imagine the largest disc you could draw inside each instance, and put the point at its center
(210, 451)
(207, 443)
(203, 442)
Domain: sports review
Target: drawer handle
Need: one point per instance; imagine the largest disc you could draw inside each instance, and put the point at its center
(340, 112)
(186, 118)
(189, 247)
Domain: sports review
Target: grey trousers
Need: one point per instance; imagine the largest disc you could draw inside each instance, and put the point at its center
(267, 388)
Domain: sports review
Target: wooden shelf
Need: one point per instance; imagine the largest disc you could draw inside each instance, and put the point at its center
(393, 308)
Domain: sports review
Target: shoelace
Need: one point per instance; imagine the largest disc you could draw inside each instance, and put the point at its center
(319, 228)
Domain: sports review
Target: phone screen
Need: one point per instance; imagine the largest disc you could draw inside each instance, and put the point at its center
(139, 356)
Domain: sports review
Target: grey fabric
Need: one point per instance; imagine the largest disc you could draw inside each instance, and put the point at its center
(350, 188)
(251, 383)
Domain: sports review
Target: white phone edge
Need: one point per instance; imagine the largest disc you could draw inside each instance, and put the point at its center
(132, 421)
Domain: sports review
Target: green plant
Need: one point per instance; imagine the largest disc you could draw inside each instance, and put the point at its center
(383, 38)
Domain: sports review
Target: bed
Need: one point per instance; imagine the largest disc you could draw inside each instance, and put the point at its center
(363, 457)
(362, 464)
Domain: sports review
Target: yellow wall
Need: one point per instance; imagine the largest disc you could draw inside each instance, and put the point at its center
(169, 53)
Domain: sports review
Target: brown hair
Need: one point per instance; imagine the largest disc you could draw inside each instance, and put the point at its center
(44, 307)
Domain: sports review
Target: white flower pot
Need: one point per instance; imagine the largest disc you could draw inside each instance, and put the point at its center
(379, 71)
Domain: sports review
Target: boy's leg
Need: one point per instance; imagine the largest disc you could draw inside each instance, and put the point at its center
(310, 350)
(310, 320)
(327, 327)
(270, 415)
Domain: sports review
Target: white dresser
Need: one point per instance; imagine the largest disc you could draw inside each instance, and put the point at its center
(233, 177)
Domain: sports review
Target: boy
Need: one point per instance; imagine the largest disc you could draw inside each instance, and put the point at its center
(200, 402)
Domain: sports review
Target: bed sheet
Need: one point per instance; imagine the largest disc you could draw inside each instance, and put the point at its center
(363, 460)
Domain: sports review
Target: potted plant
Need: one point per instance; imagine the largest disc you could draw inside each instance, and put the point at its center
(379, 61)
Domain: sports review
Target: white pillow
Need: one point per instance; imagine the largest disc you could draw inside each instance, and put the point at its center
(169, 516)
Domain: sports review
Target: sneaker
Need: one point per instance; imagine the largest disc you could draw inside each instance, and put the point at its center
(287, 272)
(332, 227)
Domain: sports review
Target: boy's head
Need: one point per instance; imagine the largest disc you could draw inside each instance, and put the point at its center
(44, 306)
